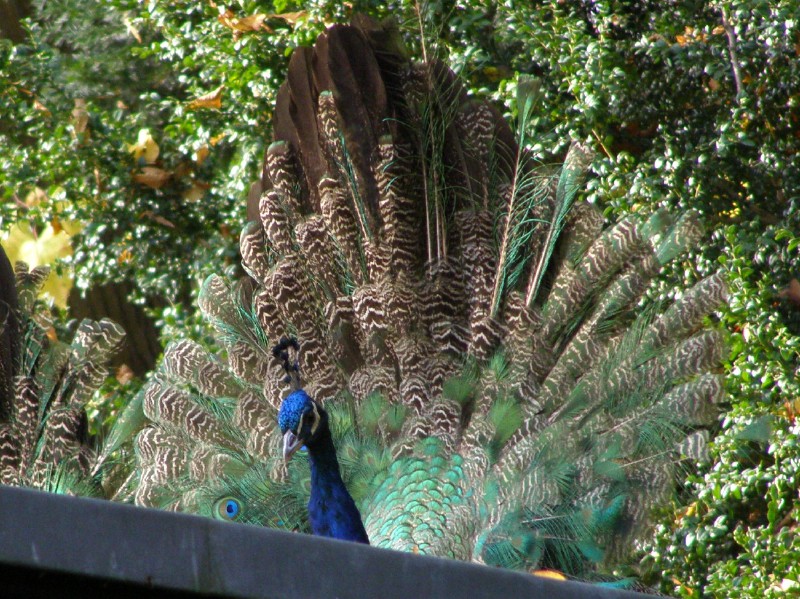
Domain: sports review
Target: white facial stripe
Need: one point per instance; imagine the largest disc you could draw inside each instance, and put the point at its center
(316, 418)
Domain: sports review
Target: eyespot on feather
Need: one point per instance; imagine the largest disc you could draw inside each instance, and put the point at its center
(227, 508)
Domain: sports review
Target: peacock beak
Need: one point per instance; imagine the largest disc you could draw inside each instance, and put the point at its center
(291, 443)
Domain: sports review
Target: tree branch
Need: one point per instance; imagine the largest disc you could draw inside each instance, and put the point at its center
(737, 75)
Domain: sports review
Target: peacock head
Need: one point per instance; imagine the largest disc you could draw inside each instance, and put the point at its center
(301, 419)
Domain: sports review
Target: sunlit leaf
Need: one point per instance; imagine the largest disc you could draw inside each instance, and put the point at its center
(201, 153)
(251, 23)
(41, 107)
(195, 192)
(36, 197)
(125, 256)
(210, 100)
(22, 243)
(145, 150)
(290, 17)
(132, 29)
(80, 116)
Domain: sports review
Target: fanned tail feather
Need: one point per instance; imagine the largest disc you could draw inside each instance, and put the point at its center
(496, 390)
(45, 386)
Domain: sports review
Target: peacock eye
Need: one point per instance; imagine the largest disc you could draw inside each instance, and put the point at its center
(228, 508)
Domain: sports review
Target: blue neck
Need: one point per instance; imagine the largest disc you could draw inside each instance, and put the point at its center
(331, 509)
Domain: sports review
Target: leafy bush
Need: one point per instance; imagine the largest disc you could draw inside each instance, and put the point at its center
(145, 124)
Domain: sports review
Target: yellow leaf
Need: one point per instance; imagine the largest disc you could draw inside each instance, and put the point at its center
(226, 18)
(41, 107)
(132, 29)
(718, 30)
(71, 227)
(245, 24)
(125, 256)
(681, 39)
(251, 23)
(80, 116)
(289, 17)
(210, 100)
(195, 192)
(21, 243)
(216, 139)
(36, 197)
(145, 150)
(152, 177)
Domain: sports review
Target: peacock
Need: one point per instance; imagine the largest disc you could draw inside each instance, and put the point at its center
(456, 353)
(45, 384)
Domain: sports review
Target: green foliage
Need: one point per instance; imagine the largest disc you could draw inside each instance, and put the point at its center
(167, 222)
(737, 538)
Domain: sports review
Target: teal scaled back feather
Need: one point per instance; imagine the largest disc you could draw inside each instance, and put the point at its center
(475, 333)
